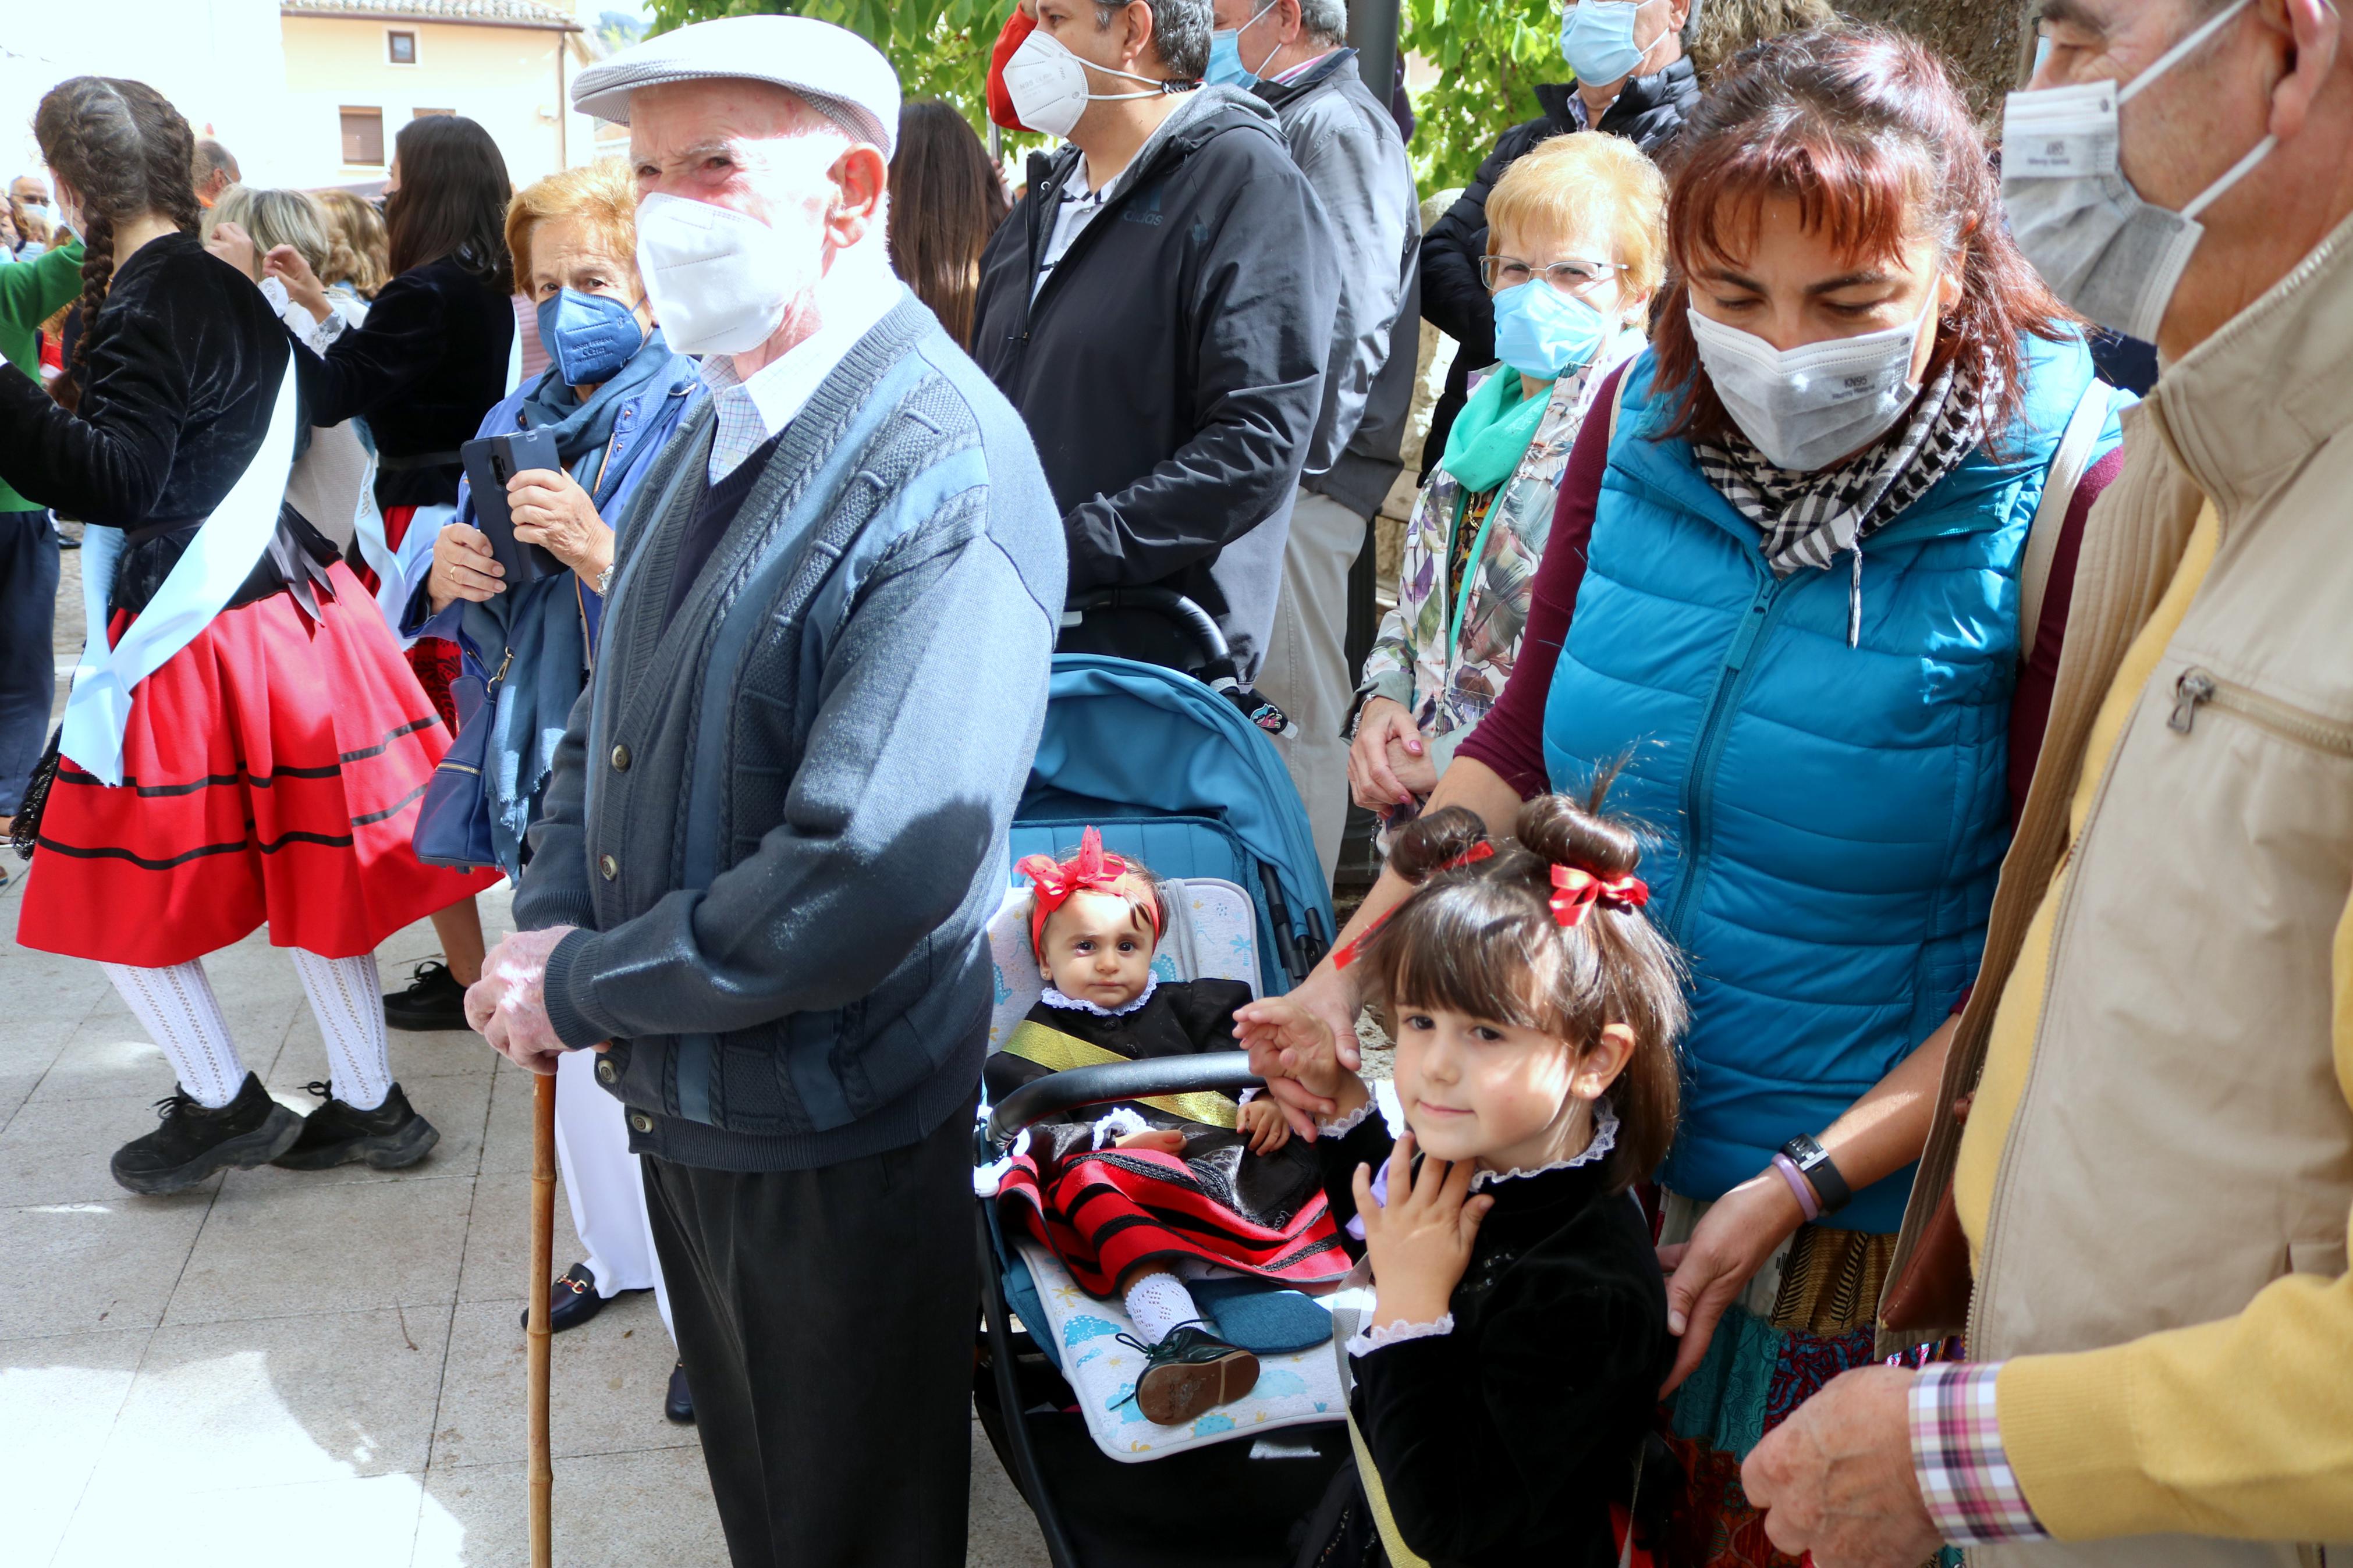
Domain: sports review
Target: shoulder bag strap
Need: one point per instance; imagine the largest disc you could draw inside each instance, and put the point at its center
(2067, 466)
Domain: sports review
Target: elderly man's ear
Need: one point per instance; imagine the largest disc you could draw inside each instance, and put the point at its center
(861, 176)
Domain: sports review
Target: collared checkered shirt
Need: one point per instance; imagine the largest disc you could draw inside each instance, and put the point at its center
(1972, 1494)
(744, 414)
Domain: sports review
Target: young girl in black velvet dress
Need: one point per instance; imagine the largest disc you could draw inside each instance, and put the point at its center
(1510, 1365)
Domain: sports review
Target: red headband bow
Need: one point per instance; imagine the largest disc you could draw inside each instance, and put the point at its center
(1576, 891)
(1093, 869)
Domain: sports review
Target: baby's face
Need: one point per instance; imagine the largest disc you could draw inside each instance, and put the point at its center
(1097, 948)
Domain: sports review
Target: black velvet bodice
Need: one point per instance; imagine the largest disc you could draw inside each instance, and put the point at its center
(184, 359)
(424, 368)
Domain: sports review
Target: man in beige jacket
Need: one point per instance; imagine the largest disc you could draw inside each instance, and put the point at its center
(2156, 1168)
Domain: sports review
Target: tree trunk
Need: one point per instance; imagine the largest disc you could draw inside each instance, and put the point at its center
(1982, 39)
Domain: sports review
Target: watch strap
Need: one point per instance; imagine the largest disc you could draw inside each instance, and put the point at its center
(1814, 1162)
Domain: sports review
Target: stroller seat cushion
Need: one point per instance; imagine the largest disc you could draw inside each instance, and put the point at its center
(1081, 1333)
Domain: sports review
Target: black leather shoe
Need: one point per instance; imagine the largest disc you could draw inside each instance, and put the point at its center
(1189, 1371)
(679, 1405)
(572, 1299)
(431, 999)
(193, 1142)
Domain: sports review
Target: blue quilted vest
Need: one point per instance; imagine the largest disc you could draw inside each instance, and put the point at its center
(1829, 820)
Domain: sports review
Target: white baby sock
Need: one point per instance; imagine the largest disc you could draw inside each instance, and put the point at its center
(176, 1006)
(347, 999)
(1157, 1303)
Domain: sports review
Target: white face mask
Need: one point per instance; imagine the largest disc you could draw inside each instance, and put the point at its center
(1807, 407)
(2102, 247)
(720, 282)
(1047, 85)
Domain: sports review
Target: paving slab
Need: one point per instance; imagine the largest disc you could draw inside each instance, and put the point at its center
(606, 1382)
(76, 1267)
(59, 1400)
(306, 1249)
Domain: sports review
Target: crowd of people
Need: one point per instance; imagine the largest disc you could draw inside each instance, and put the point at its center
(1858, 748)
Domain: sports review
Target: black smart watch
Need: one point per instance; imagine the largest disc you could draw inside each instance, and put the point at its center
(1815, 1165)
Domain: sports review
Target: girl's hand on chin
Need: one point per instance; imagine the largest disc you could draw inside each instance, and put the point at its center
(1419, 1242)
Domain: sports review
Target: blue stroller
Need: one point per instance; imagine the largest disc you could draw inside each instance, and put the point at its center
(1172, 774)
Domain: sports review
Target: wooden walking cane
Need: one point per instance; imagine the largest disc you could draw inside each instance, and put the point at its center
(543, 1263)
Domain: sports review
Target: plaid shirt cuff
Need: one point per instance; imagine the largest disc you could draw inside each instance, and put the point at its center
(1973, 1496)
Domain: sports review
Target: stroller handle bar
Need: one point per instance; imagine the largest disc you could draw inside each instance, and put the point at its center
(1197, 623)
(1224, 1072)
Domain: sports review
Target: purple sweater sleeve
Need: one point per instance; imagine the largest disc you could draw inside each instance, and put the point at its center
(1510, 739)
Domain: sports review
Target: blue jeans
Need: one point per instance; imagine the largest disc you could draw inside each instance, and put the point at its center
(28, 669)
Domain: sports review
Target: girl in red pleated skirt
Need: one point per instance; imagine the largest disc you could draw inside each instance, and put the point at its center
(270, 767)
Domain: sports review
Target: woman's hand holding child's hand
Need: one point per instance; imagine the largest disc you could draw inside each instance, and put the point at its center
(1293, 1047)
(1261, 1123)
(1156, 1140)
(1419, 1242)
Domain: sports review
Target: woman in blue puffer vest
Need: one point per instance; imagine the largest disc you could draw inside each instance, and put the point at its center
(1785, 585)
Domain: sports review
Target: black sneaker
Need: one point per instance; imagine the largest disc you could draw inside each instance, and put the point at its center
(1189, 1370)
(390, 1138)
(193, 1142)
(432, 1000)
(678, 1403)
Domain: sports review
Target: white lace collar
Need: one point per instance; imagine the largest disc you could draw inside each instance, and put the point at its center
(1053, 998)
(1605, 1138)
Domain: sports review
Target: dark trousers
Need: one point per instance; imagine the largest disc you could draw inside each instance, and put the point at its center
(826, 1320)
(29, 667)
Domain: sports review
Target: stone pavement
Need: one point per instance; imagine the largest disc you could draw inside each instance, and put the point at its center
(277, 1367)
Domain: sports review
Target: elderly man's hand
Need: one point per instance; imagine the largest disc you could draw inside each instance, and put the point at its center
(508, 1005)
(1836, 1479)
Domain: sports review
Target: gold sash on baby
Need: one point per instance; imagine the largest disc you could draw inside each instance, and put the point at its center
(1059, 1052)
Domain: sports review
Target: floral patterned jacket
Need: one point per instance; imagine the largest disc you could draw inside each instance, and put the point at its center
(1449, 675)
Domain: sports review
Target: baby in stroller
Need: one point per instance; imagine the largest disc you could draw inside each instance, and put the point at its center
(1138, 1199)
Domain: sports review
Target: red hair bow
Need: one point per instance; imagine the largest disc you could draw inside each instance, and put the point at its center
(1093, 869)
(1576, 891)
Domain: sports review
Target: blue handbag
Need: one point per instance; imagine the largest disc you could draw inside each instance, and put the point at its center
(453, 823)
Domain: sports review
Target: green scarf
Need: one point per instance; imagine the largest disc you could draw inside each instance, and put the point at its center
(1492, 432)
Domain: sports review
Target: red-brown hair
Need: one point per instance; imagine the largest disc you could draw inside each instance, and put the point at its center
(1865, 129)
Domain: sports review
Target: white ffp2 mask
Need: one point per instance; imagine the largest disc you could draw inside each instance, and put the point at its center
(2101, 246)
(1047, 85)
(1807, 406)
(720, 281)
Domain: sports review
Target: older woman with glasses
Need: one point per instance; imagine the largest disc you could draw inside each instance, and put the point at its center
(1577, 247)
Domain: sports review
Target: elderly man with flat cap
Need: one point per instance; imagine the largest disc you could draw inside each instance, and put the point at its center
(775, 830)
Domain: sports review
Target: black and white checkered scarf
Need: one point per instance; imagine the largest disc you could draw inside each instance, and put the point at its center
(1810, 519)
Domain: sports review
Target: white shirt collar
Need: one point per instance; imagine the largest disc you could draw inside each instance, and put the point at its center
(1054, 998)
(749, 413)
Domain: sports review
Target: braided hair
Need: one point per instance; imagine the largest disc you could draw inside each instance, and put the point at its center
(123, 151)
(1480, 936)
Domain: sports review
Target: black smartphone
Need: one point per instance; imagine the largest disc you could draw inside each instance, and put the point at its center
(490, 462)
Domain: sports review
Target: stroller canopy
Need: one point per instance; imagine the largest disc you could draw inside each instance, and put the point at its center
(1153, 742)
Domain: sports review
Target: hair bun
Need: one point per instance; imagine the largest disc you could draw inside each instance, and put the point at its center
(1425, 846)
(1558, 830)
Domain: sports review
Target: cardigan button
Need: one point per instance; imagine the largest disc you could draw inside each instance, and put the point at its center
(604, 1073)
(641, 1122)
(621, 759)
(608, 866)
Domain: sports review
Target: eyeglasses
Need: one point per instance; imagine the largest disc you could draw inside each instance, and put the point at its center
(1570, 274)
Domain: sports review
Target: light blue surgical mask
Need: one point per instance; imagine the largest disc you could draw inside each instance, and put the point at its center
(589, 336)
(1597, 39)
(1543, 333)
(1226, 67)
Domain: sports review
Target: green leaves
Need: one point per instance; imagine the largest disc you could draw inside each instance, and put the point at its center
(1489, 55)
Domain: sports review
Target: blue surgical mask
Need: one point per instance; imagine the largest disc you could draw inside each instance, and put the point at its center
(1597, 39)
(1226, 67)
(589, 336)
(1543, 333)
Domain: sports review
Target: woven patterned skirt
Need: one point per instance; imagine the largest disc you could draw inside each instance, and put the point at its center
(1807, 1317)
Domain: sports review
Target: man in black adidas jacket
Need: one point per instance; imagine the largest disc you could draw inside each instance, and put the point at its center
(1159, 308)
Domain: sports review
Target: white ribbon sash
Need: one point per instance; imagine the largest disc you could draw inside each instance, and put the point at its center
(216, 562)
